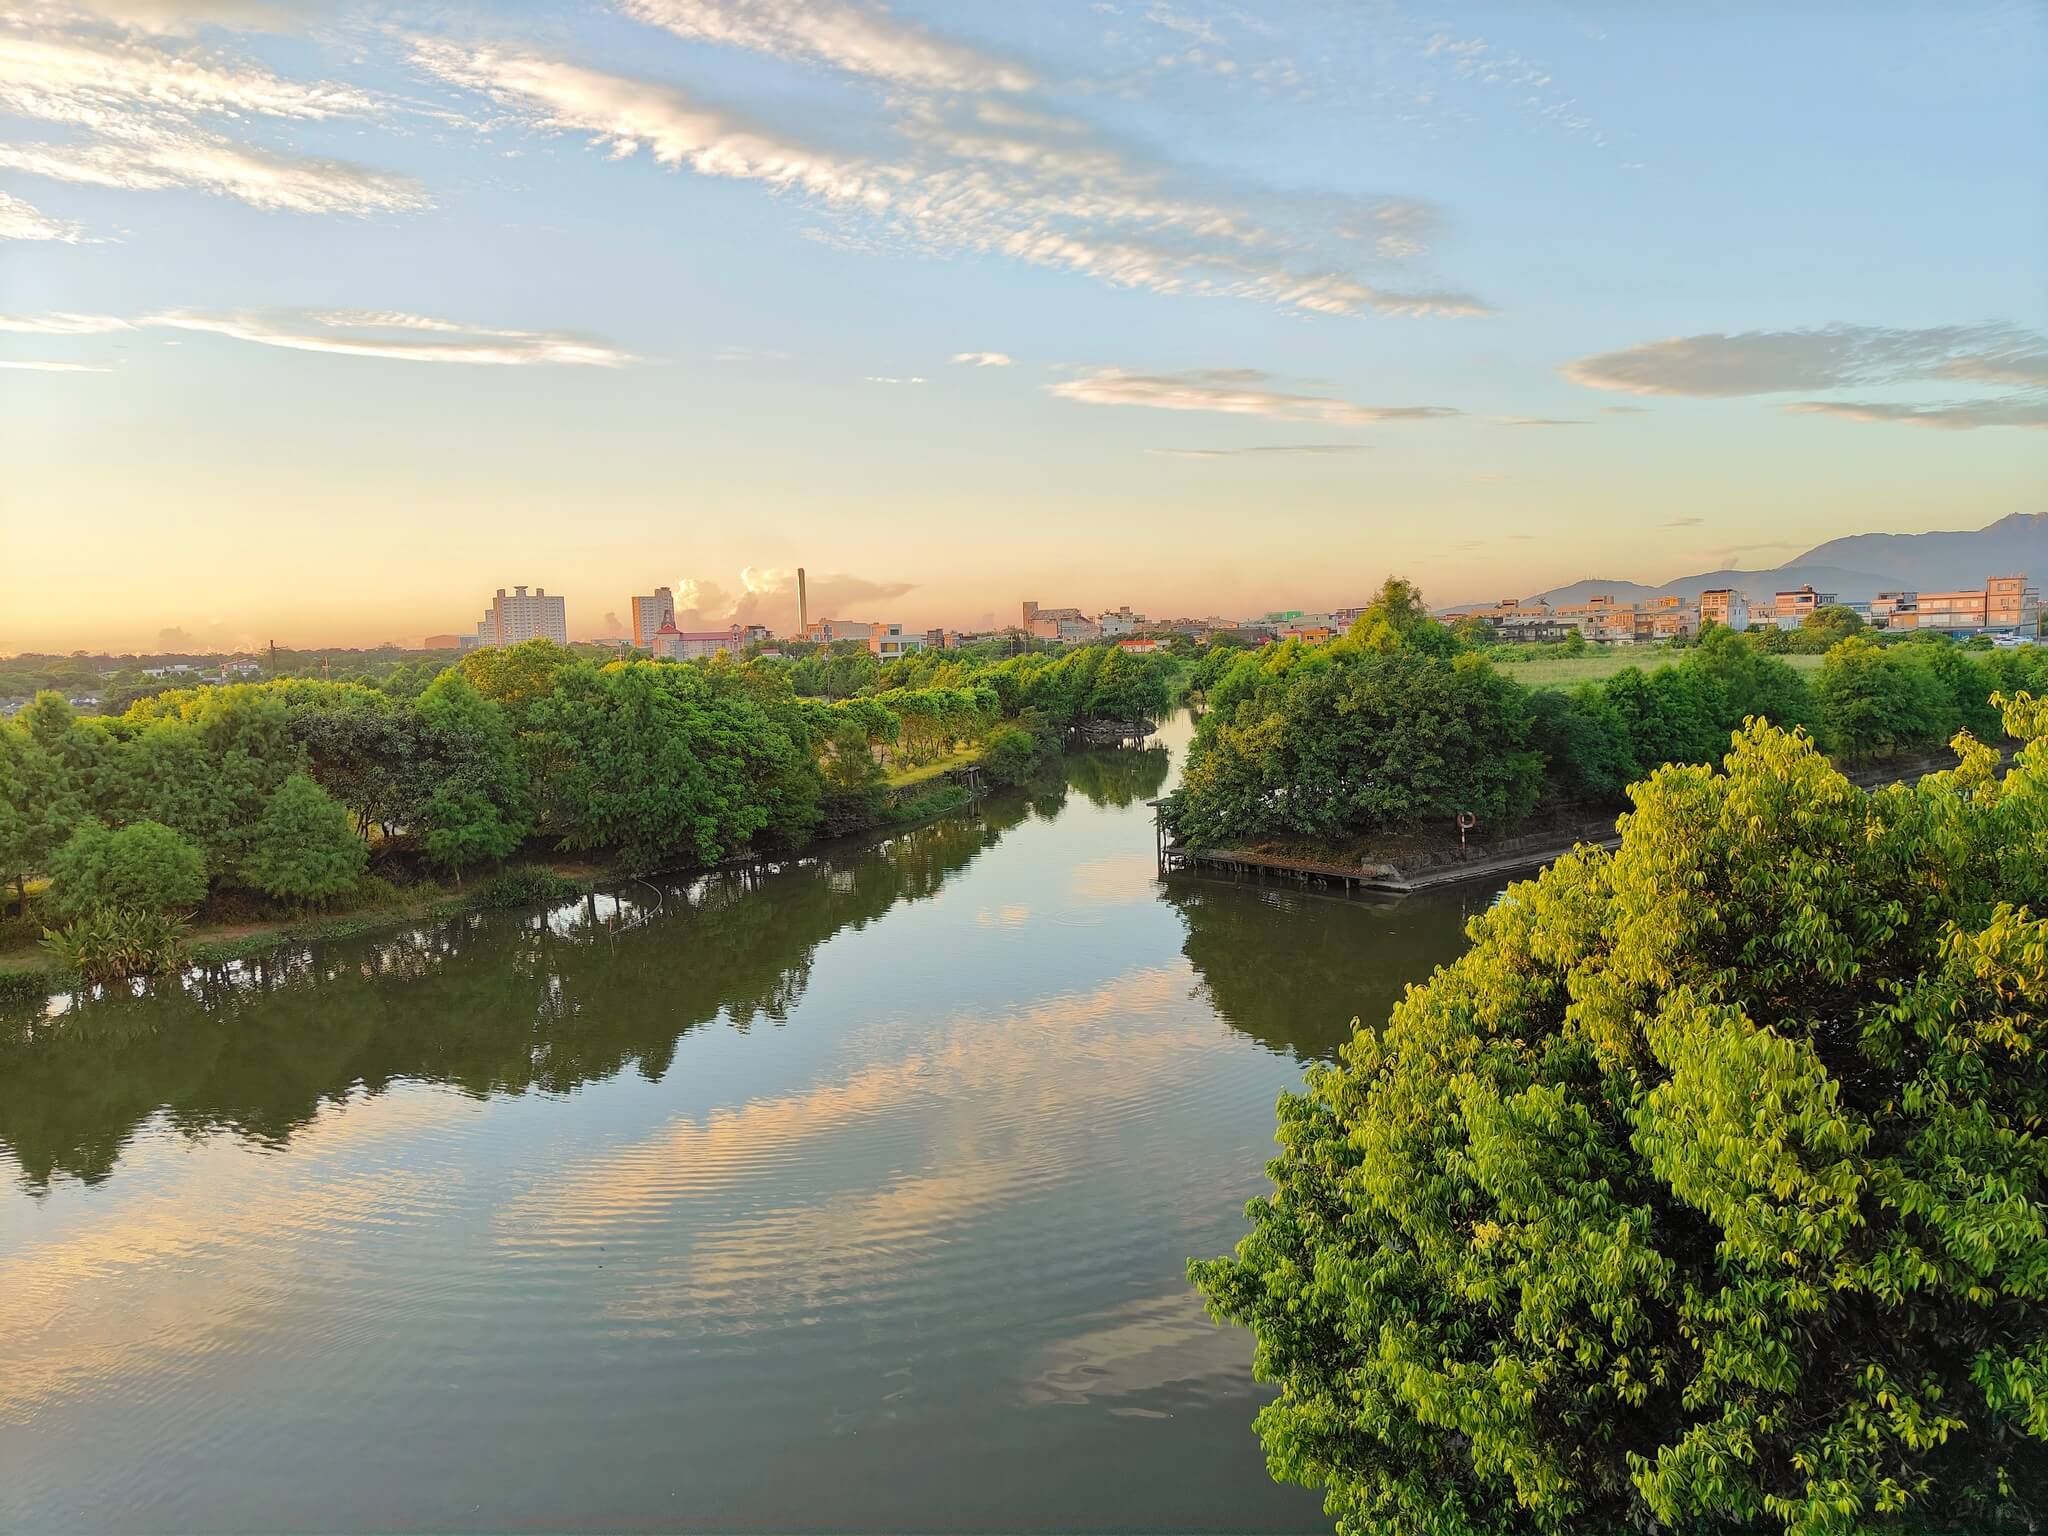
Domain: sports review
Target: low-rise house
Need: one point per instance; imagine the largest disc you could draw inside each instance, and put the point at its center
(1724, 606)
(1791, 608)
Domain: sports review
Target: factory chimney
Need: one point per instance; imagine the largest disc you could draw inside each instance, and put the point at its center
(803, 606)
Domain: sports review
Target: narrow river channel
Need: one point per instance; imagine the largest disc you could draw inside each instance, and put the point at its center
(851, 1195)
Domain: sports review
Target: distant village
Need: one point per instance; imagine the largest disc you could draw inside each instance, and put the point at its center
(2005, 608)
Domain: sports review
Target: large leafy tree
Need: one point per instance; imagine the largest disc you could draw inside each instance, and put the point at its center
(1707, 1191)
(1341, 741)
(1874, 702)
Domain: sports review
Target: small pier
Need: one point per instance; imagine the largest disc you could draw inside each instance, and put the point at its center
(1385, 879)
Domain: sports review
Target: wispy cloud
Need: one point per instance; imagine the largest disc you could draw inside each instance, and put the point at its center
(1230, 392)
(1767, 362)
(71, 77)
(1717, 365)
(37, 366)
(745, 354)
(626, 116)
(1262, 448)
(955, 172)
(1955, 416)
(983, 359)
(883, 378)
(398, 337)
(862, 40)
(62, 324)
(21, 220)
(182, 18)
(209, 163)
(146, 115)
(1542, 421)
(1684, 522)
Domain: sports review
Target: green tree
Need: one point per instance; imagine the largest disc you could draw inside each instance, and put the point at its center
(460, 827)
(1337, 742)
(1397, 617)
(1874, 703)
(304, 849)
(1827, 624)
(38, 807)
(145, 865)
(1706, 1192)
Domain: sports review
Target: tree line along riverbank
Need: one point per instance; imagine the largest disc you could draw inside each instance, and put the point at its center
(1371, 747)
(257, 806)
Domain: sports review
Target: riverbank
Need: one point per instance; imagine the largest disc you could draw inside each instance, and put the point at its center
(1416, 861)
(29, 972)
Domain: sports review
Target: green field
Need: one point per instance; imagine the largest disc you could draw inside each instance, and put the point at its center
(1590, 666)
(903, 778)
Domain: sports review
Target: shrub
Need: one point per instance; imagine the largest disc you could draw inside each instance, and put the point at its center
(1011, 755)
(528, 886)
(19, 986)
(109, 943)
(144, 865)
(935, 801)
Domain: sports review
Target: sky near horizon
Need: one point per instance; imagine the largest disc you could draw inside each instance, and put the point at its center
(322, 321)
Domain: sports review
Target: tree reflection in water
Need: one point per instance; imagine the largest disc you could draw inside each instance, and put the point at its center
(1292, 966)
(490, 1003)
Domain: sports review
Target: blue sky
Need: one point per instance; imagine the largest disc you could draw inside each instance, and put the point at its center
(323, 321)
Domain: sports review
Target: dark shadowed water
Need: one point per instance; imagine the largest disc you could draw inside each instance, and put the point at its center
(853, 1195)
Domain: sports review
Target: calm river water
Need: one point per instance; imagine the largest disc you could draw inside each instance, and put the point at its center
(852, 1195)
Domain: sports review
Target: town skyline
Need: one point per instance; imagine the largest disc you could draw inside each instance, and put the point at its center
(303, 306)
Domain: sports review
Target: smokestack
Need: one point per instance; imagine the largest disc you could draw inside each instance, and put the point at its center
(803, 606)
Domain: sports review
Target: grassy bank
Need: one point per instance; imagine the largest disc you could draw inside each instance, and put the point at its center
(1593, 665)
(903, 778)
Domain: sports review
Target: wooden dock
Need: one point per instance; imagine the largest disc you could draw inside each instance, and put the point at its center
(1384, 879)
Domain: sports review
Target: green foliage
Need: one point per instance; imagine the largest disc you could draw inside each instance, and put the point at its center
(460, 827)
(1874, 702)
(112, 943)
(304, 849)
(672, 763)
(1397, 619)
(1706, 1192)
(942, 797)
(528, 886)
(1329, 743)
(1829, 624)
(145, 866)
(25, 986)
(1012, 754)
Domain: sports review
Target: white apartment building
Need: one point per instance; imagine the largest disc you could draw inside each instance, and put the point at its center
(650, 613)
(1120, 621)
(887, 641)
(522, 616)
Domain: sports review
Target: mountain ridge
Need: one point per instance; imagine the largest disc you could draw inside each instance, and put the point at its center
(1857, 566)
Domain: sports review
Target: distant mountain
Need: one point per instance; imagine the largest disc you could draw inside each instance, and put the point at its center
(2012, 546)
(1863, 564)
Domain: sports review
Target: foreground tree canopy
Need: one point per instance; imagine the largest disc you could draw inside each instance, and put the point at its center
(1707, 1191)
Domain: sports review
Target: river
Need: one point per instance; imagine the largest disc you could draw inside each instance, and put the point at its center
(850, 1194)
